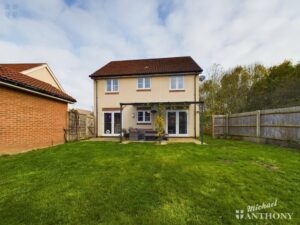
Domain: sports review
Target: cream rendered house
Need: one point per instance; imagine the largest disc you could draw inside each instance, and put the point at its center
(127, 94)
(39, 71)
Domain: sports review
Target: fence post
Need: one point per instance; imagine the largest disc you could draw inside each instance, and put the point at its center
(213, 126)
(201, 114)
(227, 125)
(258, 123)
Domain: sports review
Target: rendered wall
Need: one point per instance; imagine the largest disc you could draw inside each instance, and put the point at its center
(160, 92)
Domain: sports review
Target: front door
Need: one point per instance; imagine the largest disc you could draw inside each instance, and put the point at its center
(177, 122)
(112, 123)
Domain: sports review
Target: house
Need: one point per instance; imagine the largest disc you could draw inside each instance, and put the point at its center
(127, 94)
(33, 107)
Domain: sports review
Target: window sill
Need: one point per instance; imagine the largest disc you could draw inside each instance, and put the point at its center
(141, 123)
(146, 89)
(177, 90)
(112, 93)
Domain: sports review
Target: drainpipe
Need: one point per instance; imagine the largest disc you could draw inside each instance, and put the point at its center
(201, 120)
(96, 89)
(121, 121)
(195, 133)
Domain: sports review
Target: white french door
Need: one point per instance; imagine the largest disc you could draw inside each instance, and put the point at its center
(177, 123)
(111, 123)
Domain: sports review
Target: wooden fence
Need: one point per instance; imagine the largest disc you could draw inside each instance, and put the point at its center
(275, 126)
(80, 126)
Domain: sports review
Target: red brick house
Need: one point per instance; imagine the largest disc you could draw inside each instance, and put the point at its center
(33, 108)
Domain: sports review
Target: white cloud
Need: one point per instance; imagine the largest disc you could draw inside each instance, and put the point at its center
(78, 39)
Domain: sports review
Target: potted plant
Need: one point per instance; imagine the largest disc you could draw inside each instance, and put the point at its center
(159, 124)
(125, 133)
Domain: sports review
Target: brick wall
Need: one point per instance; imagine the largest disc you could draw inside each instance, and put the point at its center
(29, 121)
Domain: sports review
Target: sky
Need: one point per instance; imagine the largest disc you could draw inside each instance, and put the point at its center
(77, 37)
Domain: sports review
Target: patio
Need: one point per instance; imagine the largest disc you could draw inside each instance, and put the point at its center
(136, 134)
(170, 140)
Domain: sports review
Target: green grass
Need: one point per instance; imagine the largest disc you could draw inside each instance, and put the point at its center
(109, 183)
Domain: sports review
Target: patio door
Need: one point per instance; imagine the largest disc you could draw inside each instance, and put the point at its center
(177, 122)
(112, 123)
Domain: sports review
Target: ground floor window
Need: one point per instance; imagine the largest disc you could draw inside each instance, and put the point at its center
(144, 117)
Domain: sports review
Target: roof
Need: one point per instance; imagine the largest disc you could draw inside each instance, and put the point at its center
(16, 78)
(83, 111)
(22, 67)
(19, 67)
(183, 64)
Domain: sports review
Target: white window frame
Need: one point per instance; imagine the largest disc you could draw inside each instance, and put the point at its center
(112, 122)
(176, 82)
(112, 85)
(144, 83)
(144, 116)
(177, 123)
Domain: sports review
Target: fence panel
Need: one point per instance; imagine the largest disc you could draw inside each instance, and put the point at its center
(277, 126)
(80, 126)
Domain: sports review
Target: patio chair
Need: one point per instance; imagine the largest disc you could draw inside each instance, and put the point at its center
(133, 134)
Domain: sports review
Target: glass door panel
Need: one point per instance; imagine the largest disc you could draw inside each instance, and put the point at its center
(182, 122)
(107, 123)
(117, 123)
(171, 122)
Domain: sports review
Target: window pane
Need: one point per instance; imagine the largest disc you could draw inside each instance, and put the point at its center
(117, 125)
(107, 123)
(140, 116)
(147, 117)
(115, 85)
(173, 82)
(182, 123)
(147, 82)
(171, 122)
(140, 82)
(180, 82)
(108, 85)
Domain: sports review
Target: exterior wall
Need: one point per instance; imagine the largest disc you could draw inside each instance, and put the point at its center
(29, 121)
(43, 74)
(159, 93)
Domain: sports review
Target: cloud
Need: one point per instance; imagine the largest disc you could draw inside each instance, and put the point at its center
(76, 37)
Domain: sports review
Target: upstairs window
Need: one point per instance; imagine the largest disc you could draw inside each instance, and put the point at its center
(144, 83)
(177, 83)
(144, 117)
(112, 85)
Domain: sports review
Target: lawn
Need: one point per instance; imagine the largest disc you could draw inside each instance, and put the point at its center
(110, 183)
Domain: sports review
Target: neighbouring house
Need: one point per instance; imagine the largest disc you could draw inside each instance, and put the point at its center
(33, 107)
(127, 94)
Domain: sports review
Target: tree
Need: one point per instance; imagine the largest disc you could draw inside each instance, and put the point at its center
(235, 85)
(208, 92)
(249, 88)
(209, 89)
(279, 88)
